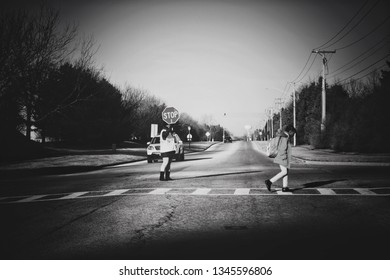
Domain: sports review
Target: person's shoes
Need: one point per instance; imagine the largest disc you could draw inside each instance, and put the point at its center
(285, 189)
(268, 183)
(162, 176)
(168, 176)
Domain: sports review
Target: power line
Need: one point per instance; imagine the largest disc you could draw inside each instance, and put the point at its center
(387, 55)
(377, 69)
(353, 27)
(360, 61)
(368, 34)
(307, 70)
(307, 61)
(373, 30)
(300, 77)
(345, 26)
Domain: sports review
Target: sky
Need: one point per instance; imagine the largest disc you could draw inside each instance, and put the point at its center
(225, 61)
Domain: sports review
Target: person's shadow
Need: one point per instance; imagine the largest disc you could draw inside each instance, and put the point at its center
(316, 184)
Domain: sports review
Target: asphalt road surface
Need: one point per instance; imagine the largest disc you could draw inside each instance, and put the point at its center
(217, 207)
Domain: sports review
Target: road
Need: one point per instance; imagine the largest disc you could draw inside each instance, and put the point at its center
(217, 207)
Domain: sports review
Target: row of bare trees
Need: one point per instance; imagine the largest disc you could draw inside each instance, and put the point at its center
(50, 86)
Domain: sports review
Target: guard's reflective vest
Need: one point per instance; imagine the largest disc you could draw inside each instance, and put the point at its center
(167, 144)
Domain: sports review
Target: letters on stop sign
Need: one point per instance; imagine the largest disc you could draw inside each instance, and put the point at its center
(170, 115)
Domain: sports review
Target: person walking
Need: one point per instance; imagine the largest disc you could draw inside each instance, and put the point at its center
(167, 149)
(283, 158)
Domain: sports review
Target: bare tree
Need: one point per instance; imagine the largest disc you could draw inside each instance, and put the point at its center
(32, 45)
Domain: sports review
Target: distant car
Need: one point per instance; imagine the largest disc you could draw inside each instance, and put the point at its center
(153, 150)
(228, 139)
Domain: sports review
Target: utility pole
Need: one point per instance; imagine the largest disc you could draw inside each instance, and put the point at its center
(223, 133)
(324, 64)
(270, 119)
(294, 116)
(279, 106)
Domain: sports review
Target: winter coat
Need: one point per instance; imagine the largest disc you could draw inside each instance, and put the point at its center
(167, 142)
(284, 151)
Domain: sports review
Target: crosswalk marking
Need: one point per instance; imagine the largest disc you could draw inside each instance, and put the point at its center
(284, 193)
(198, 192)
(73, 195)
(365, 191)
(326, 191)
(242, 191)
(116, 192)
(202, 191)
(31, 198)
(160, 191)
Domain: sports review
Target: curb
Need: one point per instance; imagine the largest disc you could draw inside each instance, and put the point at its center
(341, 163)
(300, 160)
(12, 173)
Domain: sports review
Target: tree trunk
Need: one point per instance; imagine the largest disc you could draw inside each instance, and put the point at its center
(28, 122)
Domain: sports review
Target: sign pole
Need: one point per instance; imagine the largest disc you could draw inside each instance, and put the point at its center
(189, 137)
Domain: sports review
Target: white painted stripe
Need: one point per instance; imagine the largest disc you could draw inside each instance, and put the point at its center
(243, 191)
(116, 192)
(198, 191)
(284, 193)
(326, 191)
(202, 191)
(365, 191)
(73, 195)
(31, 198)
(160, 191)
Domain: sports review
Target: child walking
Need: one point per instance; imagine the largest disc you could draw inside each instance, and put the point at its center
(283, 158)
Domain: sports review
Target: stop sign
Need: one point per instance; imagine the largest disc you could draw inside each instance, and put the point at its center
(170, 115)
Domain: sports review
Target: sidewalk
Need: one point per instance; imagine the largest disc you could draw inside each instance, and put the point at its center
(305, 154)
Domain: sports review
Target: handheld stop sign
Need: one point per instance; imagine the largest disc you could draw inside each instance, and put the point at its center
(170, 115)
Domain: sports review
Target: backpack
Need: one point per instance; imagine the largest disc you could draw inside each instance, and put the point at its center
(273, 146)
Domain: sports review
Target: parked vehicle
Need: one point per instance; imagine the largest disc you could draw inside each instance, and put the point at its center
(153, 150)
(228, 139)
